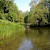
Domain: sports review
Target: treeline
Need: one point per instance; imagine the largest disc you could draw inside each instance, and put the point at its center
(9, 11)
(39, 13)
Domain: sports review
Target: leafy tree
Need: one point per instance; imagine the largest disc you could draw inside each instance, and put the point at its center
(8, 10)
(27, 14)
(39, 13)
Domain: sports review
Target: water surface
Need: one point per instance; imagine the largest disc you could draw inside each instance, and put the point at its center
(30, 39)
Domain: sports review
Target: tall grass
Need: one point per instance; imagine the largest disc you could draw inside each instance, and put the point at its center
(8, 30)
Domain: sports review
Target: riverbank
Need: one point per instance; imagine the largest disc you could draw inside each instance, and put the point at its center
(8, 30)
(30, 25)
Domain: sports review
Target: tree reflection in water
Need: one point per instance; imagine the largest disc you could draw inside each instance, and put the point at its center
(40, 37)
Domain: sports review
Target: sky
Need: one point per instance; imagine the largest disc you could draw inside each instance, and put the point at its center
(23, 5)
(35, 2)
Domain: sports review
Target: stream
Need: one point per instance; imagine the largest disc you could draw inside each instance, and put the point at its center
(30, 39)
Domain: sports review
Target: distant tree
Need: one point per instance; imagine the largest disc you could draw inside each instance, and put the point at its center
(26, 18)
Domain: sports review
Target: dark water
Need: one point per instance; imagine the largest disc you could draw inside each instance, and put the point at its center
(40, 38)
(30, 39)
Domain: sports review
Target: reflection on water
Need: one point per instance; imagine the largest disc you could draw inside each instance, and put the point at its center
(26, 45)
(31, 39)
(40, 37)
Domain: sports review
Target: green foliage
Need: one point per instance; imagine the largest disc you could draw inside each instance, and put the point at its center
(8, 30)
(38, 12)
(9, 11)
(26, 17)
(21, 16)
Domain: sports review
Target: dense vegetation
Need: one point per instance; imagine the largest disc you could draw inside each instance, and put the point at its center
(9, 11)
(9, 16)
(39, 13)
(8, 30)
(12, 31)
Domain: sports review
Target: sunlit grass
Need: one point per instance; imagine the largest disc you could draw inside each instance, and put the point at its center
(8, 30)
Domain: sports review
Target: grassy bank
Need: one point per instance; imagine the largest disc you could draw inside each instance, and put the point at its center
(8, 30)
